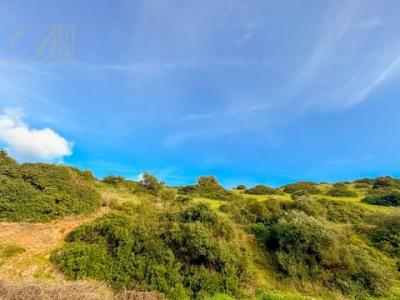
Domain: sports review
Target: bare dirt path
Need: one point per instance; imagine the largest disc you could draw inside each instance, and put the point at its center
(38, 239)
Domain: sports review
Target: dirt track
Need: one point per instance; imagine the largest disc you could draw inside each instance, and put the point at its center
(38, 239)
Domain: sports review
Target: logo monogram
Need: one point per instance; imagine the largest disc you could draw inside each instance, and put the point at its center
(55, 44)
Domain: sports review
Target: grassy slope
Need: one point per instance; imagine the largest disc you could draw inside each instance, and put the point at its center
(36, 241)
(261, 265)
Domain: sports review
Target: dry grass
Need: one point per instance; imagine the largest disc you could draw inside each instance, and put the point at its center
(135, 295)
(38, 240)
(78, 290)
(65, 291)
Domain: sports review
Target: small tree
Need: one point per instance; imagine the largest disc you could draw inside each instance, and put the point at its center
(151, 183)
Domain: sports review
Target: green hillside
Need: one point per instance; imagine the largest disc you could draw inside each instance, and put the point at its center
(302, 241)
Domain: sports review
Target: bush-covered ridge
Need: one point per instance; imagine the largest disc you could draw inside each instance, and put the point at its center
(42, 192)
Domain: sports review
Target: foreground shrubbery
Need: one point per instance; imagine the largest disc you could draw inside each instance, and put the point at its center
(183, 251)
(308, 248)
(312, 249)
(41, 192)
(170, 243)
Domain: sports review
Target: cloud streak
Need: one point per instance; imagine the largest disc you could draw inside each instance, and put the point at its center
(354, 56)
(388, 71)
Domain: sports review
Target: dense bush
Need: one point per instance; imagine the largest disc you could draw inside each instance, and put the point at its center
(167, 194)
(309, 206)
(114, 179)
(310, 248)
(368, 181)
(343, 212)
(151, 183)
(309, 187)
(240, 187)
(208, 187)
(299, 193)
(385, 235)
(262, 190)
(187, 190)
(341, 190)
(362, 186)
(384, 198)
(185, 251)
(386, 182)
(41, 192)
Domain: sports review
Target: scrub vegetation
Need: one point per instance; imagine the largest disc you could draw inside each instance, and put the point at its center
(122, 239)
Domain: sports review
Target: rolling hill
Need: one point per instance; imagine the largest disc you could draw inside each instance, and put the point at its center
(66, 235)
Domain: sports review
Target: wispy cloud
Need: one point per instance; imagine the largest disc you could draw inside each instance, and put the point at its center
(339, 21)
(382, 76)
(248, 32)
(194, 117)
(369, 24)
(346, 66)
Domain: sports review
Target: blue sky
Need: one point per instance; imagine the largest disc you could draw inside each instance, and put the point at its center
(250, 91)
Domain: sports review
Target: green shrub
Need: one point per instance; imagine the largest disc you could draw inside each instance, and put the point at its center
(121, 252)
(187, 190)
(299, 193)
(8, 166)
(385, 235)
(167, 194)
(311, 249)
(262, 190)
(114, 179)
(240, 187)
(310, 207)
(384, 198)
(341, 190)
(386, 182)
(78, 260)
(182, 251)
(310, 187)
(343, 212)
(200, 212)
(208, 187)
(182, 200)
(42, 192)
(306, 247)
(368, 181)
(151, 184)
(362, 186)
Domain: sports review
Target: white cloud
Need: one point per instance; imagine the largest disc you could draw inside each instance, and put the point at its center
(139, 177)
(28, 144)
